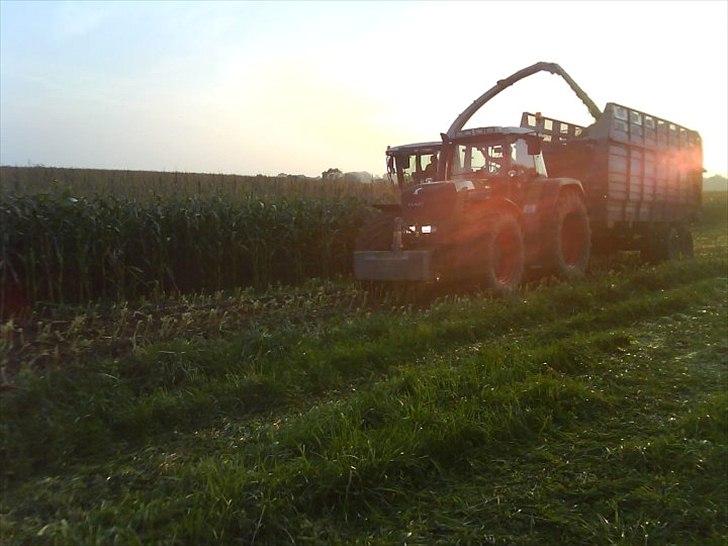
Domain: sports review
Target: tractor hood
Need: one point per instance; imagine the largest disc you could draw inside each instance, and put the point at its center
(429, 203)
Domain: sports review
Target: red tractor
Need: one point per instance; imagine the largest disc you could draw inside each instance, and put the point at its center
(487, 203)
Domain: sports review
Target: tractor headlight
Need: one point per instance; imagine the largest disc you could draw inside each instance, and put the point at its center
(427, 229)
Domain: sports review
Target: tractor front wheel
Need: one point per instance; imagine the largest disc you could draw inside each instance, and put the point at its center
(503, 255)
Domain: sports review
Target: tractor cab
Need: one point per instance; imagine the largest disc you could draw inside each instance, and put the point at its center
(489, 155)
(494, 161)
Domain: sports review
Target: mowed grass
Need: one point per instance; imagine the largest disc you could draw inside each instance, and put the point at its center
(585, 413)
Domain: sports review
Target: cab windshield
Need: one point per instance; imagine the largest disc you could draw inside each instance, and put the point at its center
(479, 160)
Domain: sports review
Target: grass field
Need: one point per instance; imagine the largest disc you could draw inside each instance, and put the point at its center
(593, 412)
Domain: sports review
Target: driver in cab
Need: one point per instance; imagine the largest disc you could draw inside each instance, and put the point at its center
(430, 172)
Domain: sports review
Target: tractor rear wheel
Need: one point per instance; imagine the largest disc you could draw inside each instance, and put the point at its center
(502, 255)
(569, 245)
(376, 233)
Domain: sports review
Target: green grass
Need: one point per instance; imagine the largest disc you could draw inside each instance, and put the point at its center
(579, 413)
(184, 383)
(328, 467)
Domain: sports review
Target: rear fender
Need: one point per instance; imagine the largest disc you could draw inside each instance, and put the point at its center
(541, 198)
(494, 205)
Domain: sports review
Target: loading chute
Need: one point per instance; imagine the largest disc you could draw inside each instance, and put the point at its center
(553, 68)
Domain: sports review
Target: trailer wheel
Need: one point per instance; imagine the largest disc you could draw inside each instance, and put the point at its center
(662, 243)
(570, 238)
(503, 255)
(375, 233)
(687, 249)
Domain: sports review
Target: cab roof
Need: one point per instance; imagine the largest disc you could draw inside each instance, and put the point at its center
(434, 147)
(418, 147)
(494, 131)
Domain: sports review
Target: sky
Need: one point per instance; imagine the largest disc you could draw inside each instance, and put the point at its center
(300, 87)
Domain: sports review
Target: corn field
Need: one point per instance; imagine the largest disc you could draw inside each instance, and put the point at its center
(63, 249)
(75, 235)
(151, 185)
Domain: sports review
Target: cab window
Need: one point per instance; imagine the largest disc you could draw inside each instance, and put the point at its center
(478, 159)
(415, 168)
(428, 166)
(521, 157)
